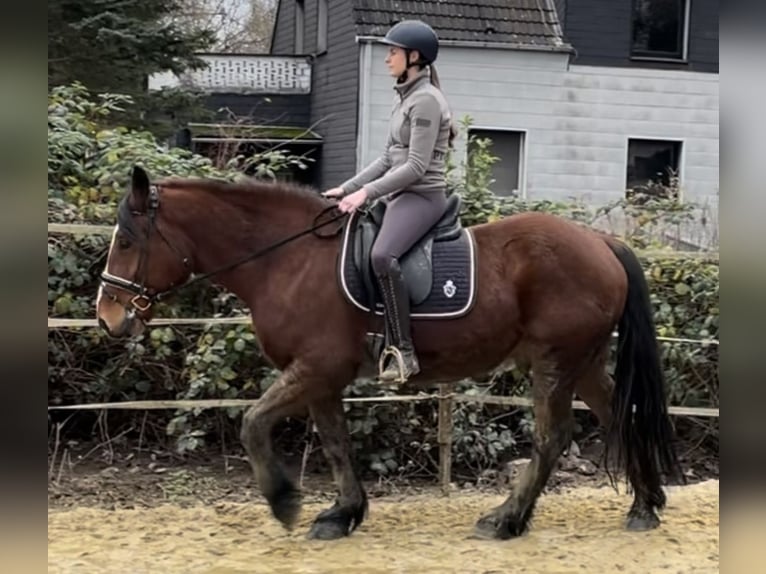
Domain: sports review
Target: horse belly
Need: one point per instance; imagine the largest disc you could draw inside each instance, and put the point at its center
(469, 347)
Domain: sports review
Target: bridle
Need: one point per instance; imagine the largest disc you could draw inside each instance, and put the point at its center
(143, 297)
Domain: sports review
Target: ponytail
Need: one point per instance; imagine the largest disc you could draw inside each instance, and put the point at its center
(435, 82)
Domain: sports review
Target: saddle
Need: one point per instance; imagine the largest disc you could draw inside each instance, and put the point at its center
(417, 263)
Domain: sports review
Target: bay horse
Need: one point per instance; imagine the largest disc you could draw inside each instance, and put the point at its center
(549, 294)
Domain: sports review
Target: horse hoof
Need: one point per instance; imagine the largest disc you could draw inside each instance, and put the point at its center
(287, 508)
(642, 522)
(327, 530)
(492, 527)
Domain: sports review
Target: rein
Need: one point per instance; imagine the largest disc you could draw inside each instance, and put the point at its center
(142, 300)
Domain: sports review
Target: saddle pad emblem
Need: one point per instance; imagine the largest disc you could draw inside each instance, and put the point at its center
(449, 289)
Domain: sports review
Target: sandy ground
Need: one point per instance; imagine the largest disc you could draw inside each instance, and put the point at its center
(579, 530)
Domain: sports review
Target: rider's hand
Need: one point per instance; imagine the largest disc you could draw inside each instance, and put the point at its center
(353, 201)
(334, 192)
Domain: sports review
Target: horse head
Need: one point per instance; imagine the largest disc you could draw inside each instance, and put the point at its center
(147, 258)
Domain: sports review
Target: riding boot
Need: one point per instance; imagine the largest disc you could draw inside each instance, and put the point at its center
(398, 361)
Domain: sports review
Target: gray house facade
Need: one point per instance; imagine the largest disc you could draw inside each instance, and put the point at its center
(581, 98)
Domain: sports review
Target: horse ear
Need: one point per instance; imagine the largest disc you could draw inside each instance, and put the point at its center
(139, 188)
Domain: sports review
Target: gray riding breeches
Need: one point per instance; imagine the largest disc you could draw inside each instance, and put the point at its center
(407, 218)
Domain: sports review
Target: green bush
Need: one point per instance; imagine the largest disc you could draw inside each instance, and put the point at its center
(89, 160)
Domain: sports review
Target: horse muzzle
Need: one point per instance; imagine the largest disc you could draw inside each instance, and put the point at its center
(130, 326)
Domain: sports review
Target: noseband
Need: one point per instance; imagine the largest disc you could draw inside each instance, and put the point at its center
(143, 299)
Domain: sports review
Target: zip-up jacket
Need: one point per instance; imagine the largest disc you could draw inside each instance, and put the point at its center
(415, 154)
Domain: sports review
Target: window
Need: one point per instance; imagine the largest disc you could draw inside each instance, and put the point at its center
(300, 10)
(508, 170)
(653, 167)
(659, 28)
(322, 27)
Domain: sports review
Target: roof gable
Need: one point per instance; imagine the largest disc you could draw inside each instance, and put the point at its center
(516, 23)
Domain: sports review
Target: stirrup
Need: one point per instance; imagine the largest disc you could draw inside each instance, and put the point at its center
(396, 354)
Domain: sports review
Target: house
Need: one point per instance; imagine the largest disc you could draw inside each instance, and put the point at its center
(581, 98)
(258, 102)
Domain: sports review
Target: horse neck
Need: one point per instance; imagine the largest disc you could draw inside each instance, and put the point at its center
(223, 227)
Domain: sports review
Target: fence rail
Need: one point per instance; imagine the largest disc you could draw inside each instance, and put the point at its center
(80, 229)
(62, 323)
(456, 397)
(445, 398)
(70, 323)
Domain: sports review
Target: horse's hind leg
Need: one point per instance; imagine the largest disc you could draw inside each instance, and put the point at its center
(553, 430)
(596, 389)
(350, 508)
(282, 399)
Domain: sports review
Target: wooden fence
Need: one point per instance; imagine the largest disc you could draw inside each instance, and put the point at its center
(446, 397)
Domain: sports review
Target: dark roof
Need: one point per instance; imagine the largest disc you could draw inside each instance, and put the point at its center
(522, 23)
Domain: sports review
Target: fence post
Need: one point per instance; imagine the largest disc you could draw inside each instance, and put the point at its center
(445, 436)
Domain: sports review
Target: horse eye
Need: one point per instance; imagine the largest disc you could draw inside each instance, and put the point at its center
(123, 243)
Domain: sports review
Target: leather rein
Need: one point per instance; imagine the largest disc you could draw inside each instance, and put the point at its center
(143, 298)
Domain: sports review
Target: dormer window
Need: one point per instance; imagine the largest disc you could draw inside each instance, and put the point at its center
(660, 29)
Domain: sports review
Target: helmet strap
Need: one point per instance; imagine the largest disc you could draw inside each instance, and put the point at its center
(420, 64)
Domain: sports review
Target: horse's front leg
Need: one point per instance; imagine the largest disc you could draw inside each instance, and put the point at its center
(350, 507)
(284, 398)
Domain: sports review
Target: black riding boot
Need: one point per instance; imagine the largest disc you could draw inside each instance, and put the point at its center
(402, 362)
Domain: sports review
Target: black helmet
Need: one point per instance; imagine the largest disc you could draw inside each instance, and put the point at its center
(414, 35)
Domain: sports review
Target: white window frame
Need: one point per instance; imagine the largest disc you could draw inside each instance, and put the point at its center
(684, 40)
(654, 137)
(523, 154)
(299, 30)
(323, 19)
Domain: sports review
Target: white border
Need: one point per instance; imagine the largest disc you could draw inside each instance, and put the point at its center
(462, 311)
(363, 105)
(687, 29)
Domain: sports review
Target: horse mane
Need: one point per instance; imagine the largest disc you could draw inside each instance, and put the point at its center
(252, 189)
(247, 193)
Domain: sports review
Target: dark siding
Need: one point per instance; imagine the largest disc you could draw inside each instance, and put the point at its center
(561, 12)
(334, 91)
(284, 28)
(600, 31)
(703, 42)
(267, 109)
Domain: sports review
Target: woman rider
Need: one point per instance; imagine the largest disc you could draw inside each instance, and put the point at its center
(409, 176)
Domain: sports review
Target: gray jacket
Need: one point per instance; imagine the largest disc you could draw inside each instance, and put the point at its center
(415, 154)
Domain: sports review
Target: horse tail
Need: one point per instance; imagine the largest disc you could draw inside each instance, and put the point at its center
(640, 429)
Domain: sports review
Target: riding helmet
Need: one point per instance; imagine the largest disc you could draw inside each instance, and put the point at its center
(414, 35)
